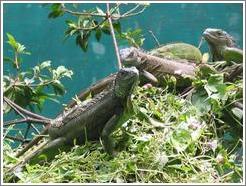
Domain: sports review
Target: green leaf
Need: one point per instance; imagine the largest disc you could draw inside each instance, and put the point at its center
(99, 11)
(117, 26)
(199, 100)
(98, 34)
(55, 14)
(45, 64)
(237, 112)
(58, 88)
(106, 31)
(181, 139)
(12, 41)
(56, 10)
(60, 72)
(82, 41)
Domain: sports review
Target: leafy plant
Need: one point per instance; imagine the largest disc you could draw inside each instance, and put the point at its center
(183, 148)
(95, 22)
(29, 88)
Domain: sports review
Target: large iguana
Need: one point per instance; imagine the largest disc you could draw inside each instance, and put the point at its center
(174, 53)
(222, 46)
(179, 50)
(153, 68)
(92, 119)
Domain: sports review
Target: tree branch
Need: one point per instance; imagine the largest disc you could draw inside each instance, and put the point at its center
(24, 111)
(17, 139)
(25, 120)
(113, 36)
(33, 142)
(83, 13)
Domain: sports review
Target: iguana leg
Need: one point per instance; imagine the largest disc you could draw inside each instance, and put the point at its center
(109, 128)
(148, 77)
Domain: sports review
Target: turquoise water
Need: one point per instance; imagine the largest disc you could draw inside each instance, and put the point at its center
(30, 25)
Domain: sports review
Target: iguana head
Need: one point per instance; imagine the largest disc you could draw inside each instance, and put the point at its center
(125, 81)
(217, 40)
(129, 56)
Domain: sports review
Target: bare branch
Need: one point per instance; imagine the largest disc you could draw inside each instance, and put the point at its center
(35, 129)
(113, 36)
(133, 14)
(24, 111)
(17, 139)
(114, 17)
(83, 13)
(155, 38)
(131, 10)
(26, 120)
(33, 142)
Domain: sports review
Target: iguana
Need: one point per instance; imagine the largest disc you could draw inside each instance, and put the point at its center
(153, 68)
(222, 46)
(181, 52)
(90, 120)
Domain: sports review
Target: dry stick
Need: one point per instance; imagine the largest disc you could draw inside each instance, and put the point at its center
(18, 121)
(24, 111)
(33, 142)
(156, 40)
(35, 129)
(127, 14)
(113, 36)
(17, 139)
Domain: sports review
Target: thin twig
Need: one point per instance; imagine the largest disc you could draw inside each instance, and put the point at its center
(133, 14)
(24, 111)
(35, 129)
(113, 36)
(33, 142)
(25, 120)
(131, 10)
(127, 14)
(15, 109)
(17, 139)
(83, 13)
(187, 91)
(155, 38)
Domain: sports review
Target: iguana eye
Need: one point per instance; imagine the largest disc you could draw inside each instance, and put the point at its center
(220, 33)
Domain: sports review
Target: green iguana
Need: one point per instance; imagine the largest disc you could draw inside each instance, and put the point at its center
(222, 46)
(92, 119)
(153, 68)
(175, 52)
(178, 51)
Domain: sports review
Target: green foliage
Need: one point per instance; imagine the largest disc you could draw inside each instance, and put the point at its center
(56, 10)
(133, 37)
(183, 148)
(29, 88)
(214, 95)
(18, 49)
(94, 22)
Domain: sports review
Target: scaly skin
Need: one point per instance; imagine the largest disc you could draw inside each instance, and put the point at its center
(178, 51)
(181, 52)
(222, 46)
(155, 68)
(95, 118)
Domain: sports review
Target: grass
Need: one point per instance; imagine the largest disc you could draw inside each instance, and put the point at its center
(180, 145)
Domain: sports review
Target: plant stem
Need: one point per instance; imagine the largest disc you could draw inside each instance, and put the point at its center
(156, 40)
